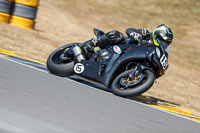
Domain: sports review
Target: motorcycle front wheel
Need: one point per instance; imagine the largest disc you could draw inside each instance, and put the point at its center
(123, 86)
(58, 63)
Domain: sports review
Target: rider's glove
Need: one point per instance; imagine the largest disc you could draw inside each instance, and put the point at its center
(144, 31)
(136, 37)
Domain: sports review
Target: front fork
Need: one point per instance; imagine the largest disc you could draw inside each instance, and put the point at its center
(78, 53)
(138, 70)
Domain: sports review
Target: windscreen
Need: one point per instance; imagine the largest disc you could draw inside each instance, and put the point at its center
(165, 46)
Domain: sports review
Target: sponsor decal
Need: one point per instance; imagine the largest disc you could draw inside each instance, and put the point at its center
(158, 52)
(79, 68)
(164, 62)
(117, 49)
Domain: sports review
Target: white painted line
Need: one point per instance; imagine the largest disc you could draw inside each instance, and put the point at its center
(22, 64)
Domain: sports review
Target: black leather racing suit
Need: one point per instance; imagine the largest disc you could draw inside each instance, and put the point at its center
(138, 36)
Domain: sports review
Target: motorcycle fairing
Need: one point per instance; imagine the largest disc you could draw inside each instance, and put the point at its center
(134, 53)
(159, 59)
(103, 71)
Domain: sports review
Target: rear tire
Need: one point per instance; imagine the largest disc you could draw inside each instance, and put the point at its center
(62, 69)
(141, 87)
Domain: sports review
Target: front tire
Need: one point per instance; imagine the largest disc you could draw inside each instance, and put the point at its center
(135, 87)
(58, 66)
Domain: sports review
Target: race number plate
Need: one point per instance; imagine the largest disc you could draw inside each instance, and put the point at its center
(79, 68)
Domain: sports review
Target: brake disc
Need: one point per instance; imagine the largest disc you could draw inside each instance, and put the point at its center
(126, 81)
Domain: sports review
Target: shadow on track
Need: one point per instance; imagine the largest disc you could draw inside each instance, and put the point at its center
(141, 98)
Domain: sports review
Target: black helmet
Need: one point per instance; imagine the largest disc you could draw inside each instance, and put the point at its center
(161, 34)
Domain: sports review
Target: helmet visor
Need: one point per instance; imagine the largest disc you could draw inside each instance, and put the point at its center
(165, 39)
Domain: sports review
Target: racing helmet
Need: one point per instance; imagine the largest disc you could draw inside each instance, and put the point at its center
(162, 35)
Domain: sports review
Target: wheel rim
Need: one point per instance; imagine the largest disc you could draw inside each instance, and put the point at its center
(127, 84)
(61, 58)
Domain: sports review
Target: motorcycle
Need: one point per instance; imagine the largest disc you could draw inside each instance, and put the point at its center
(127, 69)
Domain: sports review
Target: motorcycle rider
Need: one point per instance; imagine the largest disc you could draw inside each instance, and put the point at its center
(138, 36)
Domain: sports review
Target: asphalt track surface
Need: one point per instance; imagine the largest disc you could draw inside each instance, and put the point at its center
(33, 101)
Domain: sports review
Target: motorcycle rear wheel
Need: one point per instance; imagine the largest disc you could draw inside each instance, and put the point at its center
(140, 87)
(57, 65)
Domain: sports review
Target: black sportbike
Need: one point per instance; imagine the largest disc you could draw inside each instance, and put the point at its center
(127, 69)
